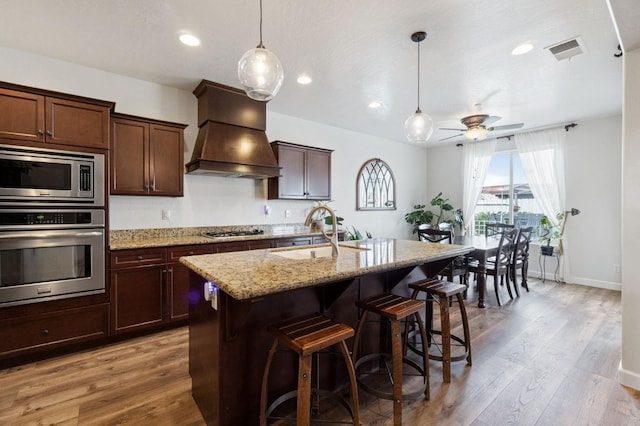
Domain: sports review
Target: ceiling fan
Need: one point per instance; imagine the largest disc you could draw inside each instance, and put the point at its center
(478, 126)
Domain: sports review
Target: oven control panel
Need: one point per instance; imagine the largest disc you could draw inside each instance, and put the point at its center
(47, 218)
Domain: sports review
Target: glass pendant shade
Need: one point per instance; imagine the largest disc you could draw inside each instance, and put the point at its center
(418, 127)
(260, 73)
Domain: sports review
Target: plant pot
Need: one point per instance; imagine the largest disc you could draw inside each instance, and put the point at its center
(546, 250)
(317, 225)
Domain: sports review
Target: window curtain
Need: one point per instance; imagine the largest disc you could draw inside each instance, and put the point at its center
(476, 157)
(542, 157)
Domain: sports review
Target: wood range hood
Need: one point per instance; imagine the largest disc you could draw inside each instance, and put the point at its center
(231, 141)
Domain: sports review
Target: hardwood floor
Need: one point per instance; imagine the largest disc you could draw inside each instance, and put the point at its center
(549, 357)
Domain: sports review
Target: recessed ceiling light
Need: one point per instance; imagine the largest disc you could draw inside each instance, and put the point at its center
(375, 104)
(189, 40)
(521, 49)
(304, 79)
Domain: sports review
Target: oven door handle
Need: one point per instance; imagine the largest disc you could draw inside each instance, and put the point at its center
(16, 235)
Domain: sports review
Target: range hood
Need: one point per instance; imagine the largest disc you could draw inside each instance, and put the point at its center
(231, 140)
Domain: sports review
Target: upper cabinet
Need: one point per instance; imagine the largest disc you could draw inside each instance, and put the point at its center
(48, 117)
(305, 174)
(146, 156)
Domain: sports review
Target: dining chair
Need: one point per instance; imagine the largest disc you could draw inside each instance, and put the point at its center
(520, 259)
(500, 264)
(494, 229)
(457, 268)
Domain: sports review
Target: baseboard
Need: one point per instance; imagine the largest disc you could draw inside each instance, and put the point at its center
(578, 280)
(629, 378)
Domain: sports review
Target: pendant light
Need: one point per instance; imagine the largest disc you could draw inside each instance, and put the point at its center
(260, 71)
(419, 126)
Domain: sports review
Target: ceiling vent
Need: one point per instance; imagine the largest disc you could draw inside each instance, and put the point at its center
(567, 48)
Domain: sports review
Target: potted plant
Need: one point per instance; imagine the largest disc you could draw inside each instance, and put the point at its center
(549, 233)
(445, 214)
(322, 217)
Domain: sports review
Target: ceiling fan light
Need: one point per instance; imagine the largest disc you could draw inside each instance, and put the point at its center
(260, 73)
(477, 133)
(418, 127)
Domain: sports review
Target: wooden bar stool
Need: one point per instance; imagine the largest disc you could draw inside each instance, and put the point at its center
(307, 335)
(443, 291)
(393, 308)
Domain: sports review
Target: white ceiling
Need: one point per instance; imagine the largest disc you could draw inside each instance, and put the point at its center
(356, 51)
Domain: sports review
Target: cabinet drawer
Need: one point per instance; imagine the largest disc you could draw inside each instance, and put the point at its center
(175, 253)
(291, 242)
(52, 329)
(138, 257)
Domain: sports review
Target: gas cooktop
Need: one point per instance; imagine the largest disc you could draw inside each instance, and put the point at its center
(233, 233)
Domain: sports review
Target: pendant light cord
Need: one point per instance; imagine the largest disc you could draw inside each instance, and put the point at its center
(418, 110)
(261, 45)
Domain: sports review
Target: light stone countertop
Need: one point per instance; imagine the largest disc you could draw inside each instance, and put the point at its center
(256, 273)
(165, 237)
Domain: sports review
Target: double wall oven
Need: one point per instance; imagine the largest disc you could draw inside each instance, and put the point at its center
(52, 225)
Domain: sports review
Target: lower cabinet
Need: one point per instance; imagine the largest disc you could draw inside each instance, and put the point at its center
(53, 329)
(149, 287)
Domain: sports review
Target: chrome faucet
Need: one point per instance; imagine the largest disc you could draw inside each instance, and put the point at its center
(333, 239)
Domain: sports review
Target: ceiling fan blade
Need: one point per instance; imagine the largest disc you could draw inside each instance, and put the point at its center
(507, 126)
(450, 137)
(490, 120)
(449, 128)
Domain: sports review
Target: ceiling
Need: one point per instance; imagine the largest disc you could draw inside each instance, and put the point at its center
(356, 51)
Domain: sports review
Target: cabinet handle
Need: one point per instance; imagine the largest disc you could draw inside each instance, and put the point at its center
(45, 332)
(49, 132)
(40, 132)
(139, 257)
(190, 253)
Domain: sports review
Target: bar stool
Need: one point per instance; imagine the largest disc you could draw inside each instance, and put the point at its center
(307, 335)
(394, 308)
(443, 291)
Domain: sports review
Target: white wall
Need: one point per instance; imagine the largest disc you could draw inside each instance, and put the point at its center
(593, 176)
(630, 364)
(211, 201)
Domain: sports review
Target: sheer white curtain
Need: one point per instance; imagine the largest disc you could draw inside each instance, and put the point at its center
(476, 157)
(542, 157)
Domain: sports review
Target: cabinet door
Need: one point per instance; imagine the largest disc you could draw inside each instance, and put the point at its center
(260, 244)
(137, 298)
(229, 247)
(129, 146)
(318, 176)
(178, 280)
(76, 123)
(166, 158)
(292, 182)
(21, 116)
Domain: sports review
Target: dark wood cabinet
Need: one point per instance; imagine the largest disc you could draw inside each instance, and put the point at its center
(40, 116)
(177, 302)
(51, 330)
(305, 174)
(146, 157)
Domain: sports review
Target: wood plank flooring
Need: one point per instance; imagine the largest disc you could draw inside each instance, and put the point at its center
(549, 357)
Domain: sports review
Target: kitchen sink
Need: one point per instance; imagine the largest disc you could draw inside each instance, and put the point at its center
(315, 252)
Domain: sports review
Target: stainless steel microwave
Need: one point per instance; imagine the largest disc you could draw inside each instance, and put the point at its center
(44, 177)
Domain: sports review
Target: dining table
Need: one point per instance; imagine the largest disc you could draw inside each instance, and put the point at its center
(483, 248)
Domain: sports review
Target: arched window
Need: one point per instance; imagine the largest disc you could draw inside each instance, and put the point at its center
(376, 188)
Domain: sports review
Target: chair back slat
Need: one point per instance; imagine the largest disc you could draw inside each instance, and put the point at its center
(495, 229)
(435, 236)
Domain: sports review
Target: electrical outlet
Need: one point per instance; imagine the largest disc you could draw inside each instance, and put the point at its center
(166, 214)
(287, 214)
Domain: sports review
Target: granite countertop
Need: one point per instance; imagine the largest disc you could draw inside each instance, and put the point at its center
(165, 237)
(256, 273)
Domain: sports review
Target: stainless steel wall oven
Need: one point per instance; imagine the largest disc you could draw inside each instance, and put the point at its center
(51, 254)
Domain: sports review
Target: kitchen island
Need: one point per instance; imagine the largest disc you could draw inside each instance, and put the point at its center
(228, 340)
